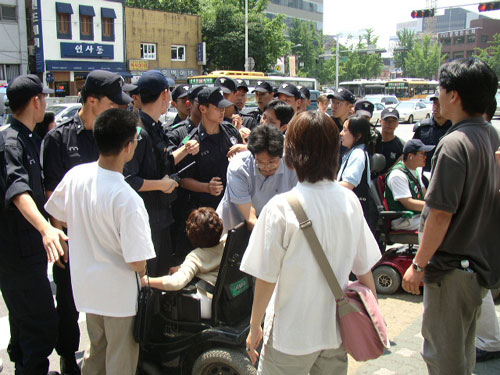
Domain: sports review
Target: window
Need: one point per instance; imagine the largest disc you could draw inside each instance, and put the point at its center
(458, 55)
(470, 53)
(148, 51)
(9, 71)
(86, 22)
(63, 20)
(484, 38)
(178, 53)
(459, 40)
(446, 41)
(471, 39)
(108, 24)
(8, 13)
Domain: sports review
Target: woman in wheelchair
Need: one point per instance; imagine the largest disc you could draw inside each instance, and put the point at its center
(204, 229)
(404, 189)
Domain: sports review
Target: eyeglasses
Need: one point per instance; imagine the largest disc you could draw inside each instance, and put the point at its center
(268, 165)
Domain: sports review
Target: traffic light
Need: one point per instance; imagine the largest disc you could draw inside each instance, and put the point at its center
(422, 13)
(492, 5)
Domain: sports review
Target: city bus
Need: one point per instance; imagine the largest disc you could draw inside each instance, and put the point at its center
(251, 78)
(410, 88)
(363, 87)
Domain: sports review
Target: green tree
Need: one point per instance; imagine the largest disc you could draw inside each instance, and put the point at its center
(309, 42)
(491, 54)
(424, 60)
(175, 6)
(405, 45)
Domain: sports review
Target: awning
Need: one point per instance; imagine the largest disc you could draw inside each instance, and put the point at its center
(86, 10)
(108, 13)
(64, 8)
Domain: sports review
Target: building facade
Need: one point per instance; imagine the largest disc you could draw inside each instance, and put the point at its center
(307, 10)
(464, 42)
(72, 37)
(164, 41)
(13, 43)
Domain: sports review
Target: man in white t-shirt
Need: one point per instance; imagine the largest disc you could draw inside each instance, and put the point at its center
(110, 240)
(404, 189)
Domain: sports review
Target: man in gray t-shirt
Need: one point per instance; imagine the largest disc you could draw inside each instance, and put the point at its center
(458, 257)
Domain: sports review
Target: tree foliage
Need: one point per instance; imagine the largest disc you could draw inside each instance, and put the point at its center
(223, 30)
(405, 45)
(307, 45)
(491, 54)
(424, 60)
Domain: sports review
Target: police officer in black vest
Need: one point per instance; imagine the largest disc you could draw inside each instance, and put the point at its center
(72, 143)
(264, 94)
(431, 130)
(206, 180)
(27, 237)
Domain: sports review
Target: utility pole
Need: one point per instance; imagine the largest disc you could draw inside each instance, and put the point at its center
(246, 36)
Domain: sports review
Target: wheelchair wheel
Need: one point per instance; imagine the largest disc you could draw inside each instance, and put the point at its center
(223, 361)
(387, 279)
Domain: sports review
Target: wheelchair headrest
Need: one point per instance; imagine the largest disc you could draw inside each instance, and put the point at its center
(378, 163)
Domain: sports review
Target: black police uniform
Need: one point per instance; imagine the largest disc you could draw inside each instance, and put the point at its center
(152, 161)
(68, 145)
(23, 268)
(392, 150)
(255, 113)
(211, 161)
(430, 132)
(177, 136)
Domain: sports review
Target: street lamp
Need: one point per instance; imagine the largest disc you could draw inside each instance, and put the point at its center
(246, 36)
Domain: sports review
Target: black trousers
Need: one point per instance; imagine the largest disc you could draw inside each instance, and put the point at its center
(33, 321)
(68, 338)
(162, 243)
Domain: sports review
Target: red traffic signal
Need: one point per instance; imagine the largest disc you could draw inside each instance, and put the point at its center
(492, 5)
(422, 13)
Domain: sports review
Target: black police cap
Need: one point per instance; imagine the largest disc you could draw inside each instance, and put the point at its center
(364, 108)
(194, 91)
(22, 88)
(228, 85)
(102, 82)
(152, 83)
(213, 95)
(264, 86)
(343, 95)
(180, 91)
(240, 83)
(289, 89)
(305, 93)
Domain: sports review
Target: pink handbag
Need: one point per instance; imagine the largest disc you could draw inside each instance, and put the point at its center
(362, 326)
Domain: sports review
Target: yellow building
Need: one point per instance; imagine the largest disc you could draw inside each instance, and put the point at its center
(164, 41)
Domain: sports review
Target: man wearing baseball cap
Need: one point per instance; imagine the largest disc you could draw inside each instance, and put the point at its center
(64, 147)
(181, 102)
(342, 105)
(404, 189)
(305, 96)
(431, 130)
(365, 108)
(264, 94)
(290, 94)
(241, 94)
(148, 171)
(207, 178)
(392, 145)
(28, 239)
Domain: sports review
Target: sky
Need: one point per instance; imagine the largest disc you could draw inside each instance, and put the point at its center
(354, 16)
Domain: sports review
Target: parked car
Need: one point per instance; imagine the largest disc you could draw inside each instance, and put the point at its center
(378, 108)
(410, 111)
(387, 100)
(426, 101)
(64, 111)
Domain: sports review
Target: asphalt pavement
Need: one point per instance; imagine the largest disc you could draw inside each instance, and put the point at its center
(402, 312)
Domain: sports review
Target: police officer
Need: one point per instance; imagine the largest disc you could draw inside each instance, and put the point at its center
(342, 105)
(290, 94)
(232, 115)
(180, 135)
(70, 144)
(27, 237)
(305, 95)
(181, 102)
(148, 171)
(264, 94)
(431, 130)
(207, 178)
(241, 94)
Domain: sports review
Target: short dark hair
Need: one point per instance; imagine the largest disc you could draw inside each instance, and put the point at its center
(284, 111)
(85, 93)
(473, 79)
(204, 227)
(150, 97)
(360, 126)
(114, 129)
(312, 146)
(266, 138)
(491, 109)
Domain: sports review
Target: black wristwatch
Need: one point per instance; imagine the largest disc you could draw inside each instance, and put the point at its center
(416, 267)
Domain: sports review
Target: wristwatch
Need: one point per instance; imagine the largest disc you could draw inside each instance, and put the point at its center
(416, 267)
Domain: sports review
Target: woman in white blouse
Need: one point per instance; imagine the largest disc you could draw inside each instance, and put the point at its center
(300, 332)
